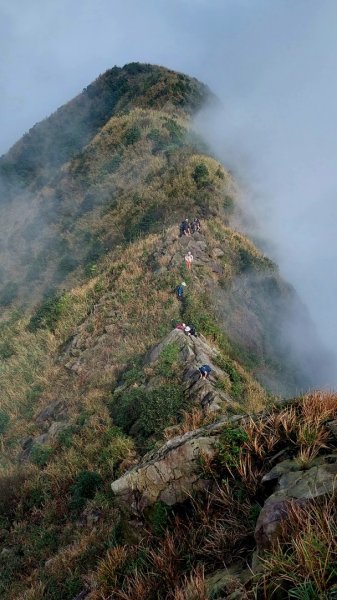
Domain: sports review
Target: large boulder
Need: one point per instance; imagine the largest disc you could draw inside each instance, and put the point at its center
(294, 485)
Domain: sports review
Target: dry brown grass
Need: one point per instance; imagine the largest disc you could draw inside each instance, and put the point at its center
(307, 551)
(302, 425)
(108, 570)
(193, 588)
(35, 592)
(318, 407)
(191, 420)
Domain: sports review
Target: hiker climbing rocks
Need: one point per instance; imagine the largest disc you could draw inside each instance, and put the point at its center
(189, 259)
(185, 228)
(195, 227)
(180, 290)
(205, 371)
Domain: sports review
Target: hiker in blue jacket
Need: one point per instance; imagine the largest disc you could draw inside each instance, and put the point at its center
(180, 290)
(204, 371)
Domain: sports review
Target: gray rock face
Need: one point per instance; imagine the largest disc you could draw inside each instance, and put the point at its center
(44, 439)
(296, 485)
(48, 414)
(171, 473)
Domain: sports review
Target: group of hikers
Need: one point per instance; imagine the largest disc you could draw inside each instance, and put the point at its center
(187, 228)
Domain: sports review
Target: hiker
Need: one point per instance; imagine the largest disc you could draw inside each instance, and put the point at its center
(196, 228)
(189, 259)
(185, 226)
(181, 326)
(180, 290)
(190, 330)
(204, 371)
(193, 331)
(181, 229)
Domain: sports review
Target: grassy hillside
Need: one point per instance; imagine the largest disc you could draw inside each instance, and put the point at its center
(91, 256)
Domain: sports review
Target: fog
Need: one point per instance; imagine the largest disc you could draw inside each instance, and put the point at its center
(272, 64)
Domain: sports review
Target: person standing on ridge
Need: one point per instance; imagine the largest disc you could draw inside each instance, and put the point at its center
(185, 227)
(196, 228)
(189, 258)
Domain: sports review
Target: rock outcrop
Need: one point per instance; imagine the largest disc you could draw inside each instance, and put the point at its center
(294, 485)
(194, 352)
(171, 473)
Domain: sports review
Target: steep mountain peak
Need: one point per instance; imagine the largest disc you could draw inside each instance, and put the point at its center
(61, 136)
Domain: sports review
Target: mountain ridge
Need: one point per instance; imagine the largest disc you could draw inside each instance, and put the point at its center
(94, 376)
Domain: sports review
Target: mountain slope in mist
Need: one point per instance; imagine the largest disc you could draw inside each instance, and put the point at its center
(59, 138)
(131, 170)
(46, 194)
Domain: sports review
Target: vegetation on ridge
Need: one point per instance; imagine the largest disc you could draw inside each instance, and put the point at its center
(100, 188)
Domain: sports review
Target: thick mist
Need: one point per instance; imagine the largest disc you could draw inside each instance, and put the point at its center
(279, 140)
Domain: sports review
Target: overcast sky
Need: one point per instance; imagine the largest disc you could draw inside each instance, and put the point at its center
(272, 63)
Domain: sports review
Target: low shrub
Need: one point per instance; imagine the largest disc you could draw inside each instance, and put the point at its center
(48, 313)
(201, 175)
(167, 363)
(158, 517)
(160, 408)
(10, 491)
(131, 136)
(40, 455)
(66, 265)
(4, 421)
(230, 445)
(6, 350)
(147, 412)
(134, 374)
(228, 204)
(234, 377)
(126, 407)
(84, 488)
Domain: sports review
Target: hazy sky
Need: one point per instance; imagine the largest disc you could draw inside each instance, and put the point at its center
(272, 63)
